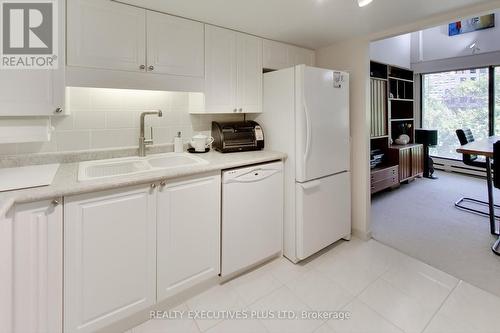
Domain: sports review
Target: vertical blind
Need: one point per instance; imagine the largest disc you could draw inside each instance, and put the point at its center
(378, 90)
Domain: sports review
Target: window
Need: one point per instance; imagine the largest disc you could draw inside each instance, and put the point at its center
(453, 100)
(497, 101)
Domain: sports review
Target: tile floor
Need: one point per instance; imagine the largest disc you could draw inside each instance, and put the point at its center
(382, 289)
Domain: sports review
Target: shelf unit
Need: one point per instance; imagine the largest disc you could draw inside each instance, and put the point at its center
(393, 114)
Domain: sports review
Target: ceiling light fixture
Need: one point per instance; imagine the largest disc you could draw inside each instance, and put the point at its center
(362, 3)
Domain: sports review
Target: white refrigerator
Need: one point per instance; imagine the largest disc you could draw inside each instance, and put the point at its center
(306, 115)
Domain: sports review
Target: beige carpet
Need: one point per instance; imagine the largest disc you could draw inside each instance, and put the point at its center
(420, 220)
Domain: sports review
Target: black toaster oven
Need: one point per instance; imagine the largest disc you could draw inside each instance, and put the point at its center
(237, 136)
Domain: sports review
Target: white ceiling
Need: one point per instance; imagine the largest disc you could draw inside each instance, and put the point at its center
(308, 23)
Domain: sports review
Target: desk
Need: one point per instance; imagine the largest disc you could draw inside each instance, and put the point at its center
(484, 148)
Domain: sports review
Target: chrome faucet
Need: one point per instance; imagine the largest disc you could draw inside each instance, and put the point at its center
(143, 142)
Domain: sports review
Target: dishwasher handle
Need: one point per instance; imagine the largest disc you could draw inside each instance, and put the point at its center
(253, 176)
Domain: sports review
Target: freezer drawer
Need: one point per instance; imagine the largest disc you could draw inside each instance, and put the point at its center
(252, 216)
(323, 212)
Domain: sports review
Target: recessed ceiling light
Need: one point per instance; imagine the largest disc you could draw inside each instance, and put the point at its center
(363, 3)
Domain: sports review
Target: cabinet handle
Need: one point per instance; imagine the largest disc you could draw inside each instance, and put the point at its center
(241, 110)
(163, 183)
(58, 110)
(142, 67)
(235, 110)
(151, 67)
(55, 202)
(153, 185)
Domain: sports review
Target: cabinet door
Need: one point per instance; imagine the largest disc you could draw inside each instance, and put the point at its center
(405, 164)
(417, 156)
(175, 45)
(106, 35)
(32, 269)
(300, 56)
(36, 92)
(249, 95)
(220, 70)
(275, 55)
(109, 258)
(188, 234)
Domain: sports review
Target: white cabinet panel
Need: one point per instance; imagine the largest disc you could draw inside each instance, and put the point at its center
(188, 233)
(220, 70)
(280, 55)
(233, 79)
(275, 55)
(249, 83)
(36, 92)
(175, 45)
(106, 34)
(110, 256)
(31, 274)
(300, 56)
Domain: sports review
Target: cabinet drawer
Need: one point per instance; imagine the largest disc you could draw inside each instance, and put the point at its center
(384, 183)
(379, 175)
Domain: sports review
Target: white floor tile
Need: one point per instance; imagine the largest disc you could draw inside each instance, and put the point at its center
(219, 298)
(363, 320)
(357, 265)
(285, 271)
(255, 285)
(443, 324)
(284, 300)
(422, 282)
(320, 293)
(325, 329)
(238, 326)
(468, 306)
(397, 307)
(180, 325)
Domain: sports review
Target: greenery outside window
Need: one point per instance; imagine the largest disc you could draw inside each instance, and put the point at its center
(457, 99)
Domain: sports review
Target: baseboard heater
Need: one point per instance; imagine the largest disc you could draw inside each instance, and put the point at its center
(450, 165)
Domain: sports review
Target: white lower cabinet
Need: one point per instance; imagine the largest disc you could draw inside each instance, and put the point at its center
(188, 233)
(127, 249)
(109, 256)
(31, 257)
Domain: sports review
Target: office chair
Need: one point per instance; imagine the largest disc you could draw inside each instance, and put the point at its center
(496, 183)
(465, 136)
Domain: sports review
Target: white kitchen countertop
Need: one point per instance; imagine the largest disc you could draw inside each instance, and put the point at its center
(66, 183)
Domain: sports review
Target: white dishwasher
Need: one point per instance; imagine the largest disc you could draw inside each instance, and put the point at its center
(252, 215)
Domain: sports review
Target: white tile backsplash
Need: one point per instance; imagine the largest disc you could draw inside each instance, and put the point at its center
(109, 118)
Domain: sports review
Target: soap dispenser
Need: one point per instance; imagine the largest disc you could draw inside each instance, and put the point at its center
(178, 145)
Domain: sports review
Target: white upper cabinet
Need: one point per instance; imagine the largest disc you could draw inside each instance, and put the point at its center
(233, 71)
(31, 278)
(280, 55)
(300, 56)
(109, 256)
(175, 45)
(114, 45)
(37, 92)
(249, 73)
(106, 35)
(275, 55)
(188, 233)
(220, 70)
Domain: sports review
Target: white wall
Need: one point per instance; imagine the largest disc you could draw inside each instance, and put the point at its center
(434, 43)
(109, 118)
(353, 57)
(392, 51)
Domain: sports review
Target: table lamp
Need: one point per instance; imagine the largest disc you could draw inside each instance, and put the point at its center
(428, 138)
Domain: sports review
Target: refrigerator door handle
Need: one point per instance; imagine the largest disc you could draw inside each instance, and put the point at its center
(311, 185)
(308, 133)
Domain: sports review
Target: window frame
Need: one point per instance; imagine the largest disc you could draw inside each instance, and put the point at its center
(491, 97)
